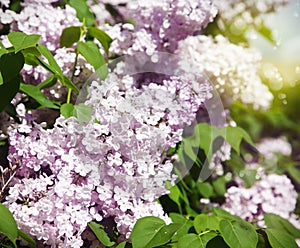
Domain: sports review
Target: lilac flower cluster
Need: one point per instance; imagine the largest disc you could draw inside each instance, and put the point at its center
(116, 164)
(271, 147)
(35, 18)
(242, 13)
(6, 16)
(231, 68)
(272, 194)
(113, 165)
(171, 21)
(40, 17)
(159, 25)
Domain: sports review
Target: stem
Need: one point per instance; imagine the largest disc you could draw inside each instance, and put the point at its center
(69, 95)
(205, 232)
(72, 78)
(74, 67)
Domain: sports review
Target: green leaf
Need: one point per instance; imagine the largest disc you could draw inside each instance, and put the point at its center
(220, 186)
(1, 79)
(205, 136)
(184, 229)
(83, 11)
(49, 82)
(10, 109)
(205, 189)
(8, 225)
(30, 55)
(101, 36)
(190, 240)
(177, 218)
(235, 135)
(101, 234)
(248, 176)
(3, 51)
(10, 67)
(90, 51)
(83, 112)
(21, 40)
(54, 68)
(206, 237)
(48, 55)
(26, 237)
(221, 213)
(294, 173)
(151, 231)
(265, 32)
(67, 110)
(204, 222)
(68, 83)
(70, 36)
(279, 239)
(238, 234)
(276, 222)
(122, 245)
(35, 93)
(217, 242)
(261, 241)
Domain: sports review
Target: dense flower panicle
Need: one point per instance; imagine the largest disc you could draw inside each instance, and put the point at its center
(160, 25)
(127, 40)
(112, 165)
(45, 214)
(246, 12)
(231, 68)
(40, 17)
(271, 147)
(221, 155)
(272, 194)
(100, 12)
(171, 21)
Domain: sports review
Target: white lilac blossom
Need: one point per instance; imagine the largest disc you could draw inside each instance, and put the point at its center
(7, 16)
(271, 147)
(246, 12)
(272, 194)
(232, 69)
(221, 155)
(111, 166)
(4, 3)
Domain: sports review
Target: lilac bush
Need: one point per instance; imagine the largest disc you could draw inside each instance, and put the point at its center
(125, 95)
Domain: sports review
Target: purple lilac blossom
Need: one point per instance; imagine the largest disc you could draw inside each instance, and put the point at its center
(272, 194)
(170, 21)
(271, 147)
(113, 165)
(40, 17)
